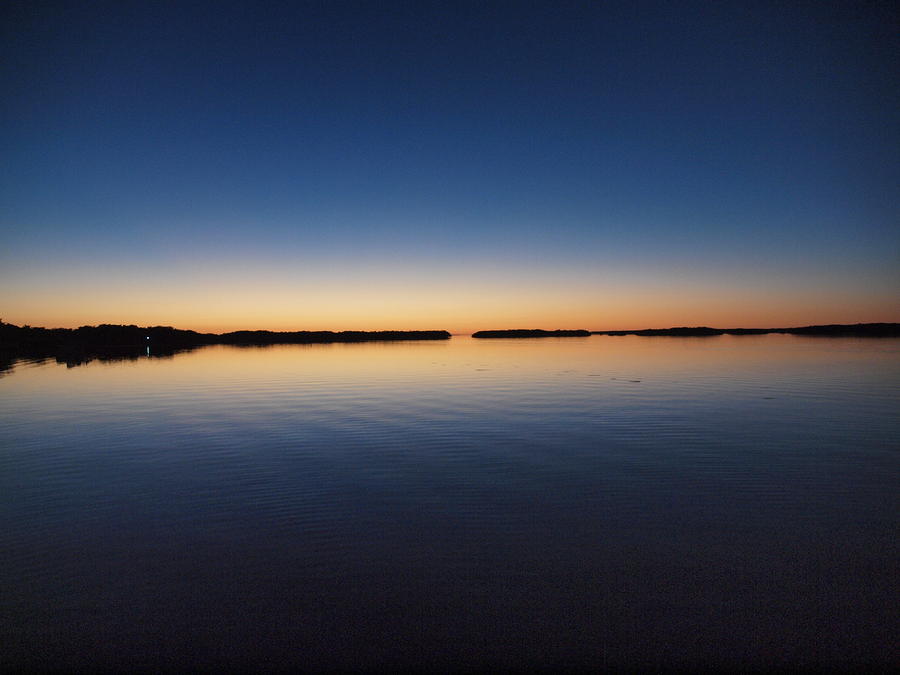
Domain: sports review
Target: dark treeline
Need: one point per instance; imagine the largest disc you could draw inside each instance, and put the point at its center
(107, 342)
(265, 337)
(830, 330)
(529, 333)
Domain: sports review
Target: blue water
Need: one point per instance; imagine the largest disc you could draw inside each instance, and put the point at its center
(575, 502)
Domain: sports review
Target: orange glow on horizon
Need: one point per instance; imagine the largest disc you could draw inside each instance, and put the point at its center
(208, 302)
(459, 322)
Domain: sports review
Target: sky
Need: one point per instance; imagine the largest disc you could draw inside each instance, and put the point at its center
(449, 165)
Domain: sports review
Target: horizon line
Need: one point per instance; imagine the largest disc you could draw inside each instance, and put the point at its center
(406, 330)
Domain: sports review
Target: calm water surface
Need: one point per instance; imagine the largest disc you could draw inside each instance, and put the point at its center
(558, 502)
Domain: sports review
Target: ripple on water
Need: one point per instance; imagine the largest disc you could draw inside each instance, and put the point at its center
(603, 502)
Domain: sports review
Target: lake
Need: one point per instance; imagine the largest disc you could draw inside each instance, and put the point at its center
(560, 502)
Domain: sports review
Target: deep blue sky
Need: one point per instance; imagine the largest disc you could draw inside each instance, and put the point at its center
(719, 153)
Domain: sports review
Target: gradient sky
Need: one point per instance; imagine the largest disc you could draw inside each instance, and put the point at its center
(453, 165)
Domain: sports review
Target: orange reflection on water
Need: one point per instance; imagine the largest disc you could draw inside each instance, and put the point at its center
(431, 362)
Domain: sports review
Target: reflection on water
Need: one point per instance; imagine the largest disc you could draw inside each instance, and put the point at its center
(572, 502)
(75, 358)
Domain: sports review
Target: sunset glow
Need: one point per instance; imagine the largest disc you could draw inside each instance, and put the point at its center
(455, 168)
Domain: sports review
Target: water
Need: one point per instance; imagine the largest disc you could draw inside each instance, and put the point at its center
(575, 502)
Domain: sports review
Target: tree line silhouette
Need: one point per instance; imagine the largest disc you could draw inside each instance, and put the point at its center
(107, 342)
(828, 330)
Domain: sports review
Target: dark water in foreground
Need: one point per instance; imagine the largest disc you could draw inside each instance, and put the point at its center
(571, 502)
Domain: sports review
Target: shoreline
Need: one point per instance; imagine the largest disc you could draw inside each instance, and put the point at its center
(834, 330)
(76, 346)
(108, 342)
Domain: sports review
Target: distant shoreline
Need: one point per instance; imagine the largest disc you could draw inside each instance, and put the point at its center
(75, 346)
(835, 330)
(119, 335)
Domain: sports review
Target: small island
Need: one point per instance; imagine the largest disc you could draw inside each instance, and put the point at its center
(530, 333)
(829, 330)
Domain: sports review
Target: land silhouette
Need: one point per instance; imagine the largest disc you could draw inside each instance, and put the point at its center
(834, 330)
(110, 342)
